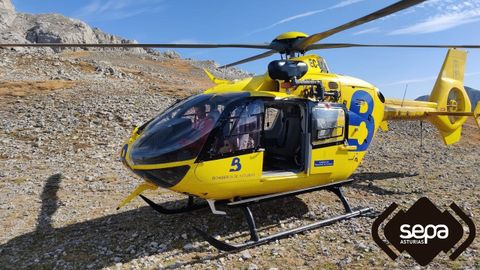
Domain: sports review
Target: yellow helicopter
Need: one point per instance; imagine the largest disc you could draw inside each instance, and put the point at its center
(297, 128)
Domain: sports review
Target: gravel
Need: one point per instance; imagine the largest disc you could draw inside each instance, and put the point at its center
(61, 178)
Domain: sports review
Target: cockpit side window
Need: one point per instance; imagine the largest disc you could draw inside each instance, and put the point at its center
(240, 130)
(203, 114)
(328, 125)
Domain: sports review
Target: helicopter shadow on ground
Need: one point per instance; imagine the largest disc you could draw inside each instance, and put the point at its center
(365, 182)
(122, 237)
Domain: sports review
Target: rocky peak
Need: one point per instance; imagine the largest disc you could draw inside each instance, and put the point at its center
(7, 14)
(6, 5)
(16, 27)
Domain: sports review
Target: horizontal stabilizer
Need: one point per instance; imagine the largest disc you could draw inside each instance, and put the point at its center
(214, 79)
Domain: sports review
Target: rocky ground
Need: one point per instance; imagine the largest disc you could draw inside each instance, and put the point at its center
(64, 117)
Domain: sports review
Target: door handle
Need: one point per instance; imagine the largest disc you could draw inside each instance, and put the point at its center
(348, 147)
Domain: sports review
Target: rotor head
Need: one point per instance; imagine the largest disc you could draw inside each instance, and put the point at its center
(284, 43)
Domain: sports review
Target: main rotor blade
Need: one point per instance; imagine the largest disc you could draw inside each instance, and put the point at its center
(354, 45)
(302, 44)
(249, 59)
(140, 45)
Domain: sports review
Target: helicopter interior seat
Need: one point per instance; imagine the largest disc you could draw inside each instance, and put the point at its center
(273, 134)
(283, 141)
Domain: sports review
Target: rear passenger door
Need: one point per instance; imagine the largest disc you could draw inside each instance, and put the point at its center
(328, 129)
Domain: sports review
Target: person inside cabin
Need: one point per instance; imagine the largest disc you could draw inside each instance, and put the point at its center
(227, 147)
(201, 126)
(201, 120)
(214, 111)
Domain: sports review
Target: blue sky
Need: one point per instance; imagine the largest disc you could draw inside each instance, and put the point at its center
(168, 21)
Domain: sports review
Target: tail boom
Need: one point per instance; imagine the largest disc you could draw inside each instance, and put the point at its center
(449, 105)
(397, 109)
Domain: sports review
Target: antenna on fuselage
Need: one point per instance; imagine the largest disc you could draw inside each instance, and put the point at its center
(421, 133)
(404, 94)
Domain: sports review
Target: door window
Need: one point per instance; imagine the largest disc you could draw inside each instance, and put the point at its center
(328, 124)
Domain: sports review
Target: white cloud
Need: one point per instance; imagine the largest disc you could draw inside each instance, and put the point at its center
(440, 15)
(447, 14)
(367, 31)
(410, 81)
(98, 10)
(423, 79)
(185, 41)
(343, 3)
(440, 23)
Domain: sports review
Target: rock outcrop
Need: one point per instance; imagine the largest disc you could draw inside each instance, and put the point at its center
(18, 27)
(7, 14)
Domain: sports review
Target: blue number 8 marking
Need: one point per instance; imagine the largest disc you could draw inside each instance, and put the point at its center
(237, 164)
(356, 117)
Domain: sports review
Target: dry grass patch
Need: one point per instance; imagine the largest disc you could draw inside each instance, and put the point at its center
(24, 88)
(86, 67)
(130, 70)
(76, 54)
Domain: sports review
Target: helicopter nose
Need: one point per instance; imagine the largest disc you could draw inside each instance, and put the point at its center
(165, 177)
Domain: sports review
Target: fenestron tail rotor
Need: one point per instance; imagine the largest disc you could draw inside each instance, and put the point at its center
(455, 104)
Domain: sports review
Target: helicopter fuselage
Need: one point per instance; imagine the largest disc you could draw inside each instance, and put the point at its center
(261, 136)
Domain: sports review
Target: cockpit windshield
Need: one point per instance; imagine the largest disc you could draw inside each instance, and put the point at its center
(180, 132)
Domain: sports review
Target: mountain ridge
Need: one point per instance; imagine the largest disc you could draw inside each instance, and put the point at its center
(18, 27)
(472, 93)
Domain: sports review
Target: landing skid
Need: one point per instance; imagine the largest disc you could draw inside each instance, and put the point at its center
(255, 240)
(191, 206)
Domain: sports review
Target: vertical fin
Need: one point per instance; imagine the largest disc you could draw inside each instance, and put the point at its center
(450, 96)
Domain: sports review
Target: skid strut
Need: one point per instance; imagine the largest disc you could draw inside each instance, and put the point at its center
(338, 191)
(191, 206)
(255, 240)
